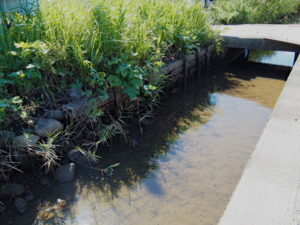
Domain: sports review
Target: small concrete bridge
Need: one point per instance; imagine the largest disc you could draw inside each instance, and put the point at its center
(269, 190)
(261, 36)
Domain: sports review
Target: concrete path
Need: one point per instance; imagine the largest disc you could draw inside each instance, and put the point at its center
(269, 190)
(261, 36)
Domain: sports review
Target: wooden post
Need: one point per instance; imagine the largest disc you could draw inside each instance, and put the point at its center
(117, 99)
(198, 63)
(207, 61)
(185, 70)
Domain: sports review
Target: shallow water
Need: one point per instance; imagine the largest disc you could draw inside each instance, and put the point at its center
(185, 166)
(194, 179)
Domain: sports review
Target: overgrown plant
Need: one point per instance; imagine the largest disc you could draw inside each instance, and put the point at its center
(95, 46)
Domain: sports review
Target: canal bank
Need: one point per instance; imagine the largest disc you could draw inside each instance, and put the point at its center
(184, 167)
(268, 192)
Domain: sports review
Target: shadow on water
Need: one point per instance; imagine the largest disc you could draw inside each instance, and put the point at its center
(177, 113)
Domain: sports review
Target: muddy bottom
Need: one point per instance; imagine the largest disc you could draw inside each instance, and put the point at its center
(182, 170)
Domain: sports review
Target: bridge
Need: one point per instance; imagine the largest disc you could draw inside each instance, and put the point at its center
(269, 190)
(261, 36)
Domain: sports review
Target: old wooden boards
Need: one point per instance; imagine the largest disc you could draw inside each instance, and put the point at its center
(192, 66)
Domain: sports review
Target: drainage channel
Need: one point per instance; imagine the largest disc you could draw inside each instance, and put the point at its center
(184, 167)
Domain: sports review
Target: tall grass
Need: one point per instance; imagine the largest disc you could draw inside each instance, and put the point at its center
(254, 11)
(91, 45)
(95, 45)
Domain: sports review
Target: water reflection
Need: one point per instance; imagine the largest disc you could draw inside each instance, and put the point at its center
(272, 57)
(194, 185)
(183, 168)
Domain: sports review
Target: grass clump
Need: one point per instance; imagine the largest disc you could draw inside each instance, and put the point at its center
(93, 46)
(254, 11)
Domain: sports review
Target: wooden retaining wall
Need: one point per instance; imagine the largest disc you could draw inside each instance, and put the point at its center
(193, 66)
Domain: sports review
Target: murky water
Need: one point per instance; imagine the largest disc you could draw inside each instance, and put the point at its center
(185, 166)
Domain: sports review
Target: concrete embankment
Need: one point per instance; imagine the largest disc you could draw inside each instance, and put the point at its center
(269, 190)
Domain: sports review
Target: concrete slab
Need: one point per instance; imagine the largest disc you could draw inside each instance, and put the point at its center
(269, 190)
(261, 36)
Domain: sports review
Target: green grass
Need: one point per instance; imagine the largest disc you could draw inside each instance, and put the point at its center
(254, 11)
(94, 46)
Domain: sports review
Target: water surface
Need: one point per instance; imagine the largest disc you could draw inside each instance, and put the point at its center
(272, 57)
(184, 167)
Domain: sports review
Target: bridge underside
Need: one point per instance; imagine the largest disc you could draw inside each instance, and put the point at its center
(259, 44)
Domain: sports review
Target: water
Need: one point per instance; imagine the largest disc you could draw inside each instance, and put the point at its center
(184, 167)
(273, 57)
(193, 180)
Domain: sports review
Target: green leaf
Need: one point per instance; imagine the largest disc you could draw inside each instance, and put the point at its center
(4, 105)
(150, 87)
(137, 83)
(131, 92)
(103, 95)
(21, 45)
(16, 100)
(33, 65)
(5, 81)
(114, 81)
(123, 68)
(19, 73)
(14, 53)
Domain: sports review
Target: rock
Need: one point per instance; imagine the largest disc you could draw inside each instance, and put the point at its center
(29, 197)
(6, 137)
(26, 140)
(60, 203)
(55, 114)
(80, 158)
(146, 122)
(45, 127)
(75, 108)
(65, 173)
(73, 155)
(28, 131)
(75, 93)
(20, 156)
(11, 189)
(21, 205)
(45, 181)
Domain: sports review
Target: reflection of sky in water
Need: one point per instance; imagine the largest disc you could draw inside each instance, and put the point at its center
(278, 58)
(213, 99)
(194, 179)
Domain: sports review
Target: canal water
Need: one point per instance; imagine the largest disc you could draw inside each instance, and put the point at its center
(184, 167)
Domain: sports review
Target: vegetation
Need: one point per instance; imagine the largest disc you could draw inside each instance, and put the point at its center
(254, 11)
(93, 46)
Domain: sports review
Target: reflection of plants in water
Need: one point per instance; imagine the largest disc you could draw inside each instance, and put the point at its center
(125, 165)
(183, 110)
(258, 55)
